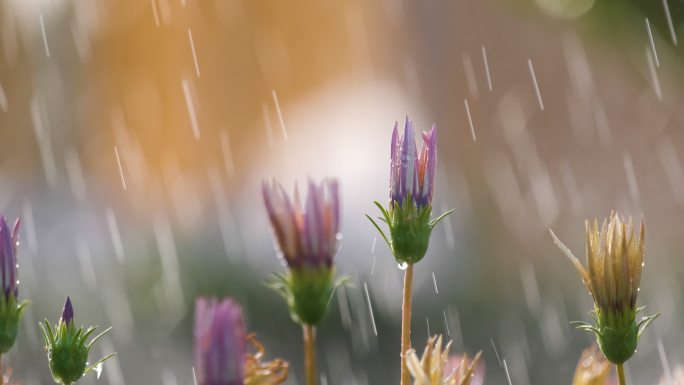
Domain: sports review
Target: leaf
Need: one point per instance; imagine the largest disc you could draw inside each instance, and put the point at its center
(381, 232)
(435, 221)
(97, 366)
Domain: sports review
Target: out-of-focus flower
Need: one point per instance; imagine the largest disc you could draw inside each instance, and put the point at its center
(11, 309)
(307, 238)
(221, 356)
(220, 346)
(263, 373)
(435, 367)
(615, 258)
(592, 368)
(566, 9)
(67, 348)
(412, 179)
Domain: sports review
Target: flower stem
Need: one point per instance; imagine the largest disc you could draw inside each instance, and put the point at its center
(621, 374)
(309, 354)
(406, 323)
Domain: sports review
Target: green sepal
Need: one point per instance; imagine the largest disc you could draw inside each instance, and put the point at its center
(617, 335)
(67, 349)
(11, 313)
(410, 229)
(307, 291)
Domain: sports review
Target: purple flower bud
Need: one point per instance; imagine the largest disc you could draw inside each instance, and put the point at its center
(305, 235)
(412, 175)
(68, 312)
(220, 342)
(8, 257)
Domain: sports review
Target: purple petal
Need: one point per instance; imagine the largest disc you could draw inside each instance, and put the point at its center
(68, 312)
(220, 346)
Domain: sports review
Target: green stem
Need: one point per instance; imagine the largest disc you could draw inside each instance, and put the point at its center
(309, 354)
(621, 374)
(406, 323)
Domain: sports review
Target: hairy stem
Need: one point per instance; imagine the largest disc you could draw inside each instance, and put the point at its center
(310, 354)
(406, 323)
(621, 374)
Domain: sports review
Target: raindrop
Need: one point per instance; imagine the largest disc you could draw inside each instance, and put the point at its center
(486, 65)
(280, 114)
(194, 54)
(470, 119)
(673, 34)
(434, 281)
(45, 41)
(370, 308)
(191, 108)
(650, 40)
(536, 84)
(402, 266)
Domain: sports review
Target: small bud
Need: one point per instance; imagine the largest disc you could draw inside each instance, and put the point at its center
(307, 238)
(67, 348)
(412, 178)
(615, 257)
(11, 310)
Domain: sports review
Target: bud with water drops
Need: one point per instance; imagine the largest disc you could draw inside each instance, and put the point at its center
(307, 238)
(68, 347)
(412, 178)
(11, 310)
(615, 257)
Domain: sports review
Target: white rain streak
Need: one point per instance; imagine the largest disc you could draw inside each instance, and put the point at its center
(194, 53)
(470, 119)
(192, 114)
(375, 239)
(29, 226)
(446, 324)
(530, 287)
(85, 263)
(268, 125)
(280, 114)
(171, 284)
(434, 282)
(75, 174)
(652, 42)
(508, 374)
(29, 325)
(673, 169)
(663, 361)
(362, 334)
(631, 177)
(456, 332)
(168, 377)
(373, 264)
(370, 308)
(115, 234)
(113, 368)
(81, 37)
(118, 163)
(155, 12)
(3, 99)
(486, 66)
(469, 70)
(194, 375)
(536, 84)
(427, 322)
(496, 352)
(226, 220)
(44, 146)
(655, 81)
(670, 25)
(227, 153)
(44, 33)
(324, 379)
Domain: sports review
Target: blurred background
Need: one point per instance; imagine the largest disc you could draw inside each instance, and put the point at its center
(134, 136)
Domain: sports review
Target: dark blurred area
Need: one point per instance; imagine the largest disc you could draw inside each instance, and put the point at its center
(134, 137)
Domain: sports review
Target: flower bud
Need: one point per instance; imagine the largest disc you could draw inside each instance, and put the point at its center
(11, 310)
(615, 257)
(67, 348)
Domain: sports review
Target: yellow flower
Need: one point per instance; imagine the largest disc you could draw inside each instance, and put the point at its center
(429, 370)
(615, 257)
(592, 368)
(263, 373)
